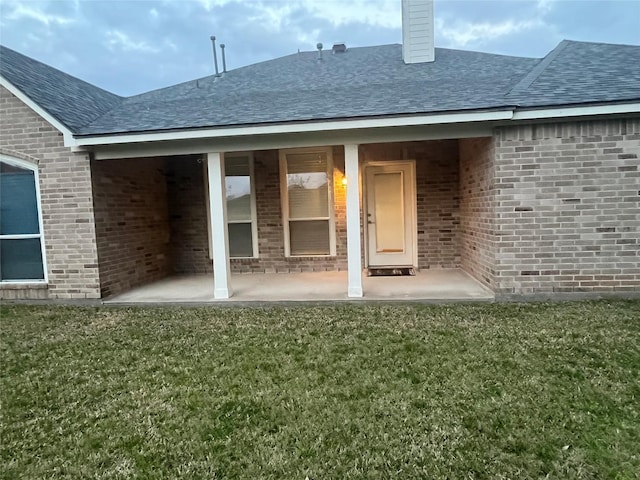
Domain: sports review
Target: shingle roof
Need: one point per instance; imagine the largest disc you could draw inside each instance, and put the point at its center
(362, 82)
(73, 102)
(581, 72)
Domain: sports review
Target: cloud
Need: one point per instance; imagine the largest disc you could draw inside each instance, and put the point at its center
(273, 17)
(209, 5)
(480, 24)
(23, 11)
(276, 15)
(545, 6)
(381, 13)
(117, 39)
(463, 34)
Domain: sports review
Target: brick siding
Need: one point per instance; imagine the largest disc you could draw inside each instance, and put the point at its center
(438, 211)
(477, 203)
(132, 223)
(187, 206)
(188, 215)
(537, 209)
(67, 206)
(568, 208)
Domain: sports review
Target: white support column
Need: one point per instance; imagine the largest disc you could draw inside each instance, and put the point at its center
(354, 250)
(218, 219)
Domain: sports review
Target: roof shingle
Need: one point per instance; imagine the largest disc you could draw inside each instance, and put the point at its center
(360, 83)
(72, 101)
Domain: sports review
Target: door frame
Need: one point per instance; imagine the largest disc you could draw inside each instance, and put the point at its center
(413, 207)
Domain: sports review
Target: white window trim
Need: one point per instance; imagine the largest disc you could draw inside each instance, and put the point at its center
(284, 200)
(254, 211)
(36, 178)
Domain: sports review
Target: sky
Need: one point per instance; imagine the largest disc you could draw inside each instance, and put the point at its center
(129, 47)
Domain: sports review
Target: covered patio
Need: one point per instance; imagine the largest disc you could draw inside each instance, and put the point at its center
(297, 223)
(426, 285)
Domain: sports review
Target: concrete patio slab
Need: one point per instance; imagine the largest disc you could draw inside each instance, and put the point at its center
(427, 285)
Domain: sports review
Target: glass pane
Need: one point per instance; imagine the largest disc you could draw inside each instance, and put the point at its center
(240, 240)
(238, 198)
(18, 203)
(21, 259)
(238, 188)
(308, 185)
(389, 212)
(309, 238)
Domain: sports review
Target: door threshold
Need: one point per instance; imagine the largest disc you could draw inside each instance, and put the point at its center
(391, 271)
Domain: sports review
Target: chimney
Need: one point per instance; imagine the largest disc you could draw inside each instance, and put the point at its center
(417, 31)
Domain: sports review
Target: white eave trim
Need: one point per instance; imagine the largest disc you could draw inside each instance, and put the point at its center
(299, 128)
(359, 124)
(67, 136)
(583, 111)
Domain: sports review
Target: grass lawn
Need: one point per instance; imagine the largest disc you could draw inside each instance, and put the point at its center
(350, 391)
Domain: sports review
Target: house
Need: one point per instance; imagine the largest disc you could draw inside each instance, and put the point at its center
(523, 173)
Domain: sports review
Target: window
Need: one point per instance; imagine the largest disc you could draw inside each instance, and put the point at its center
(21, 243)
(307, 202)
(241, 205)
(242, 227)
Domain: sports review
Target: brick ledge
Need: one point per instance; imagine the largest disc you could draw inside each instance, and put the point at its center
(23, 286)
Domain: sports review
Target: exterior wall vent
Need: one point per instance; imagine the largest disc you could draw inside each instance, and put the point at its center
(417, 31)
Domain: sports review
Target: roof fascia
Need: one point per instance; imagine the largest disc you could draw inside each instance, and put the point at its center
(582, 111)
(67, 135)
(307, 127)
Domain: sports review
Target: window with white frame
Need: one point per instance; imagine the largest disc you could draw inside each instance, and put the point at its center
(241, 205)
(21, 243)
(307, 201)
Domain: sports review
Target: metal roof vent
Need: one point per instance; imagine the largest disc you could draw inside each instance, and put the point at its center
(339, 48)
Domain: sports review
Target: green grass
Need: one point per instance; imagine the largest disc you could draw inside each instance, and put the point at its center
(372, 391)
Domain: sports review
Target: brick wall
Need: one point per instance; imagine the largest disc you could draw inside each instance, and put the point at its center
(188, 215)
(568, 207)
(270, 227)
(438, 200)
(477, 203)
(132, 223)
(67, 208)
(438, 211)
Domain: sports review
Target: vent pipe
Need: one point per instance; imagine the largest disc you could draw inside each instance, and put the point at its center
(215, 54)
(224, 62)
(319, 47)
